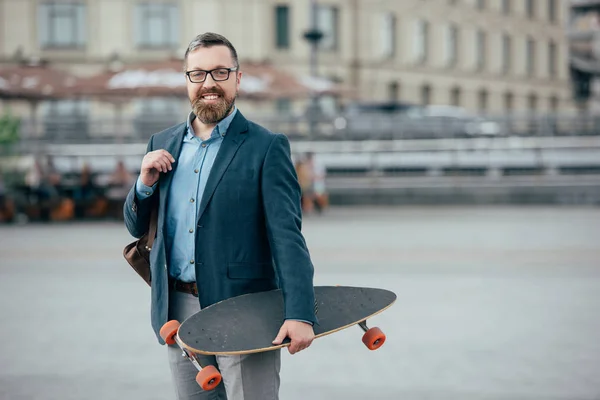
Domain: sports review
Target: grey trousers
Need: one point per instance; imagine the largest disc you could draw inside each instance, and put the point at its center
(246, 377)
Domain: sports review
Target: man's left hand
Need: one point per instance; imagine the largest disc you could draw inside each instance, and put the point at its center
(300, 333)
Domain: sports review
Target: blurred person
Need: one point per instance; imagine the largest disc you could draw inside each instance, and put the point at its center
(52, 176)
(87, 195)
(229, 223)
(42, 195)
(321, 199)
(121, 177)
(306, 181)
(7, 205)
(86, 189)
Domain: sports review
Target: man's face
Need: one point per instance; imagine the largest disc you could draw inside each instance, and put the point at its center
(212, 100)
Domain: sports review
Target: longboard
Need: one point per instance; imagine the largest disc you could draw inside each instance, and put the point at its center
(249, 323)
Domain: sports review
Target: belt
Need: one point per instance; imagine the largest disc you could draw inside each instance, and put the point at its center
(184, 287)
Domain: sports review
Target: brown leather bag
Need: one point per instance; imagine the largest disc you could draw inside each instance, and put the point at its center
(137, 253)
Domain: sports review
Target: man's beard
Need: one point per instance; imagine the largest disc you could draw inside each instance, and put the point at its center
(213, 113)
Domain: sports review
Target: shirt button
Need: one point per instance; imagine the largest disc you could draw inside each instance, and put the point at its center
(196, 170)
(148, 193)
(191, 231)
(191, 261)
(203, 144)
(192, 200)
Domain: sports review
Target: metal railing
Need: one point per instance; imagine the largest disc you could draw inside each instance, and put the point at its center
(83, 130)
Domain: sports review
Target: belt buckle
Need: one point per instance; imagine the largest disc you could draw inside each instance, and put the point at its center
(194, 290)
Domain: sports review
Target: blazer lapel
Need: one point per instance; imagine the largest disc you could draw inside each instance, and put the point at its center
(233, 139)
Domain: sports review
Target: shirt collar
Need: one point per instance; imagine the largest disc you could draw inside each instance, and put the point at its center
(219, 130)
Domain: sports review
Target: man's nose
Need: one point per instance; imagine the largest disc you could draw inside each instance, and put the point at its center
(209, 82)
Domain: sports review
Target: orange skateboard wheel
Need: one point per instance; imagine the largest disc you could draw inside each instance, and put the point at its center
(208, 378)
(169, 330)
(373, 338)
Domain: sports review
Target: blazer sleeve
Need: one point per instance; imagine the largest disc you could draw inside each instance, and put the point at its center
(281, 202)
(136, 211)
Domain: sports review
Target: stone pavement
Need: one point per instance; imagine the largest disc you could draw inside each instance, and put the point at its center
(493, 303)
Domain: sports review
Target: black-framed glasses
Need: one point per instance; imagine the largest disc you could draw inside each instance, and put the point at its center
(218, 74)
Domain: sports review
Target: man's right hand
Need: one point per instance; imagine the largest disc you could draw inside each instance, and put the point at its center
(153, 164)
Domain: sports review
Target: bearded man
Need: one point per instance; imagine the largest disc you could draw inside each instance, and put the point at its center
(229, 223)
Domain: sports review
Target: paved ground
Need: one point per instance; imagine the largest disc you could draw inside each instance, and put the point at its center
(494, 303)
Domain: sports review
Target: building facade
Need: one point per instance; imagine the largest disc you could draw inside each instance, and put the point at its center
(489, 56)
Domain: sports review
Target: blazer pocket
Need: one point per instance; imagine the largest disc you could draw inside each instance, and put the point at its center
(248, 270)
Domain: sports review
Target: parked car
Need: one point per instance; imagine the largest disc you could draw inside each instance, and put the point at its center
(373, 120)
(439, 121)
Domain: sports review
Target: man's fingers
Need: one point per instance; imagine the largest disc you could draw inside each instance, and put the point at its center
(299, 345)
(280, 336)
(170, 157)
(164, 164)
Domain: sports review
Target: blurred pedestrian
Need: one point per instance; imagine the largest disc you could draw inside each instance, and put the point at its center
(7, 204)
(42, 194)
(88, 196)
(306, 181)
(229, 207)
(320, 196)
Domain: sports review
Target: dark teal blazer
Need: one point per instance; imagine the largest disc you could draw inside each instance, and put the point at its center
(248, 236)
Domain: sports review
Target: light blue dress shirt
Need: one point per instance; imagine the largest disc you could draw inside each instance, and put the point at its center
(185, 195)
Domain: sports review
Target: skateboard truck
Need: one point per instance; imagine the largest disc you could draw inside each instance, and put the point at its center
(373, 337)
(208, 377)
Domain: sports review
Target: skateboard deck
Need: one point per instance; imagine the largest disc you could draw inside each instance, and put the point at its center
(249, 323)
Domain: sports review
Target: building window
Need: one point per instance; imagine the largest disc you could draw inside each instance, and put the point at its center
(282, 27)
(532, 102)
(425, 95)
(552, 10)
(530, 8)
(66, 119)
(157, 25)
(388, 35)
(483, 100)
(327, 21)
(509, 100)
(552, 59)
(421, 41)
(506, 54)
(480, 48)
(62, 25)
(394, 91)
(554, 104)
(451, 48)
(530, 57)
(506, 7)
(455, 97)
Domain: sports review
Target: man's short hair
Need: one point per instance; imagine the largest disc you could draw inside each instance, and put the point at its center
(210, 39)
